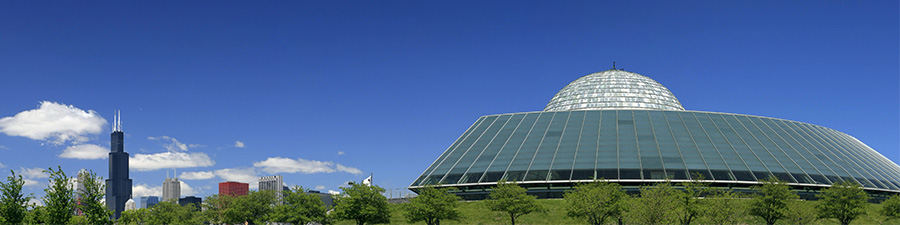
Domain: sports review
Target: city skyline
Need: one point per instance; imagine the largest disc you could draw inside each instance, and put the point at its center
(326, 93)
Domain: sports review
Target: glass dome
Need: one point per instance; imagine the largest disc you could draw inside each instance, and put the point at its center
(614, 89)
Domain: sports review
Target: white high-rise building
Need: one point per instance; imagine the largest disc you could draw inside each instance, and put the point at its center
(273, 183)
(171, 189)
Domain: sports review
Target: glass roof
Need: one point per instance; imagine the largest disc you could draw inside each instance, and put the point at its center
(614, 89)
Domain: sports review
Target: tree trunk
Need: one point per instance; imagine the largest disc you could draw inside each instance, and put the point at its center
(512, 218)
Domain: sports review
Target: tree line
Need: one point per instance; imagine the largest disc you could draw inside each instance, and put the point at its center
(598, 202)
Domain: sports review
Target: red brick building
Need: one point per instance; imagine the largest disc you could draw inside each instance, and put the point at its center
(232, 188)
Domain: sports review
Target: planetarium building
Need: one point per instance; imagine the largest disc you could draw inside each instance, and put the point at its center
(624, 127)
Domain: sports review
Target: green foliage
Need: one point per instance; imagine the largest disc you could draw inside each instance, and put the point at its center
(433, 205)
(511, 199)
(658, 204)
(36, 215)
(78, 220)
(596, 201)
(723, 207)
(844, 201)
(770, 201)
(299, 208)
(252, 208)
(12, 201)
(215, 208)
(58, 197)
(134, 217)
(690, 202)
(363, 204)
(167, 212)
(801, 213)
(95, 212)
(891, 208)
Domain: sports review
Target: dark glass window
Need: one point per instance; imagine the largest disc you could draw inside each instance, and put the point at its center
(536, 175)
(583, 174)
(630, 174)
(560, 174)
(743, 176)
(451, 178)
(721, 175)
(704, 173)
(609, 174)
(492, 176)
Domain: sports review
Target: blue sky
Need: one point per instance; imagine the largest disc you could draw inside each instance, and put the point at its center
(329, 92)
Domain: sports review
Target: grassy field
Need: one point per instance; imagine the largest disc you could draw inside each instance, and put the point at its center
(477, 213)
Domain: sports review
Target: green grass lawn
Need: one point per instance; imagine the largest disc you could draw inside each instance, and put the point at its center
(476, 212)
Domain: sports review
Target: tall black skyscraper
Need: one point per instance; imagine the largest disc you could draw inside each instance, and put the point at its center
(118, 186)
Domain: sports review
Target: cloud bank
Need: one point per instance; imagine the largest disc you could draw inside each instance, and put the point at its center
(85, 151)
(275, 165)
(148, 162)
(54, 123)
(202, 175)
(238, 144)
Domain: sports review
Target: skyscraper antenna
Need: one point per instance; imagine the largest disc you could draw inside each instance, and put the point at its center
(114, 122)
(614, 64)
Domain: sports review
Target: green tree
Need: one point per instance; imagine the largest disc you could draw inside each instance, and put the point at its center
(891, 208)
(433, 205)
(58, 197)
(801, 213)
(36, 215)
(168, 212)
(658, 204)
(844, 201)
(13, 202)
(215, 207)
(299, 208)
(252, 208)
(690, 200)
(511, 199)
(134, 217)
(363, 204)
(770, 200)
(94, 189)
(596, 201)
(78, 220)
(724, 207)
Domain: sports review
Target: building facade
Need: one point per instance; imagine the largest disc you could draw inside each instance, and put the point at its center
(624, 127)
(148, 201)
(171, 189)
(273, 183)
(118, 186)
(232, 188)
(196, 202)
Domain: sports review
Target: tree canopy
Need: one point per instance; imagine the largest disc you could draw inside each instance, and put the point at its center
(658, 204)
(596, 201)
(433, 205)
(771, 199)
(363, 204)
(844, 201)
(13, 202)
(58, 197)
(513, 200)
(299, 208)
(95, 212)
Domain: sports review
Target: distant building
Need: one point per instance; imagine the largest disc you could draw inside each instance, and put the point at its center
(79, 188)
(194, 201)
(148, 201)
(129, 205)
(118, 186)
(273, 183)
(232, 188)
(171, 189)
(326, 198)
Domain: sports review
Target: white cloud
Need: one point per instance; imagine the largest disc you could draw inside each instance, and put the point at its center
(238, 144)
(2, 166)
(35, 201)
(29, 182)
(142, 190)
(3, 147)
(340, 152)
(275, 165)
(85, 151)
(33, 172)
(202, 175)
(333, 192)
(348, 169)
(320, 187)
(186, 190)
(174, 145)
(244, 175)
(146, 162)
(53, 122)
